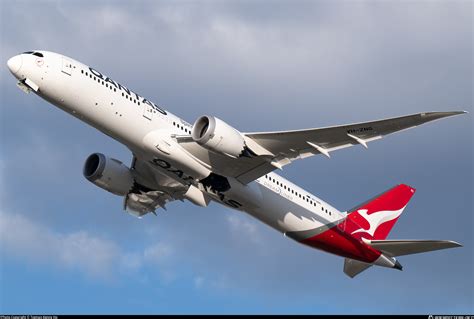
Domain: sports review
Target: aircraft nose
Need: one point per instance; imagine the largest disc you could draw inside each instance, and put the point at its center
(14, 63)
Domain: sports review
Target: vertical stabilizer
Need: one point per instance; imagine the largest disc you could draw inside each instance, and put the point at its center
(375, 218)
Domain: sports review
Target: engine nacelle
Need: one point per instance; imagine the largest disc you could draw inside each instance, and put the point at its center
(108, 173)
(218, 136)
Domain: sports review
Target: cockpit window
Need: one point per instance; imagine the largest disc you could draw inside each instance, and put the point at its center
(34, 53)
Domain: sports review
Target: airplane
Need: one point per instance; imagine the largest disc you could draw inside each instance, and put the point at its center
(212, 161)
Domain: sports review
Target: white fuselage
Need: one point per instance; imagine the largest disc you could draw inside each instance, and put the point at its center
(134, 121)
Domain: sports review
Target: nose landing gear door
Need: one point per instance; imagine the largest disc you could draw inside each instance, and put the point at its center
(66, 66)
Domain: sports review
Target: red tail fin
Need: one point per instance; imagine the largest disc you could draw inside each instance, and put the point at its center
(375, 218)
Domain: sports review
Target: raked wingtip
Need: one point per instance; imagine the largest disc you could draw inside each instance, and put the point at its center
(456, 112)
(456, 244)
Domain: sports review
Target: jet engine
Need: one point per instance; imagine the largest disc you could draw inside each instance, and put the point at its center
(218, 136)
(108, 173)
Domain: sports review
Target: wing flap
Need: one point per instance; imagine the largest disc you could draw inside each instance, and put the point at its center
(139, 204)
(152, 190)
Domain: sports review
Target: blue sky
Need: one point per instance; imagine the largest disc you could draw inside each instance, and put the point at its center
(67, 247)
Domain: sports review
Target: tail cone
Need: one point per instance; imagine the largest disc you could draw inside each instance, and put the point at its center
(398, 265)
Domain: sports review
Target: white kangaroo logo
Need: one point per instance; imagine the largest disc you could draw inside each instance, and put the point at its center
(376, 219)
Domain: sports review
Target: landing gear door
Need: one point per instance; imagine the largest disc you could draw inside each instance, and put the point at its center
(148, 111)
(66, 66)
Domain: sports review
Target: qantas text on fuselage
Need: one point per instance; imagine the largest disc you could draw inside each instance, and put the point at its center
(124, 89)
(212, 161)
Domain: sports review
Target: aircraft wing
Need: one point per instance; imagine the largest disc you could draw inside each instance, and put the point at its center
(276, 149)
(159, 190)
(290, 145)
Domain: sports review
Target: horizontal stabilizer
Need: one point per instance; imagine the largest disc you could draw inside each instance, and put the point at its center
(354, 267)
(407, 247)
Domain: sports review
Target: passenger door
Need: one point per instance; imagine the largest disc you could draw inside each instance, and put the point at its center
(66, 66)
(148, 111)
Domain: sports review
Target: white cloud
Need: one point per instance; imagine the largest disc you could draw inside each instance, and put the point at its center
(243, 227)
(93, 255)
(131, 262)
(80, 250)
(157, 253)
(322, 44)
